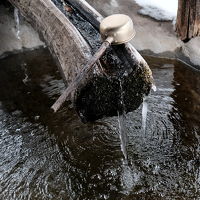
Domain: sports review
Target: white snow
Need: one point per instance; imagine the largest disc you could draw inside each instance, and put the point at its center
(162, 10)
(192, 51)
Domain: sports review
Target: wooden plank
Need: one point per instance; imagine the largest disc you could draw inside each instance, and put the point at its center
(188, 19)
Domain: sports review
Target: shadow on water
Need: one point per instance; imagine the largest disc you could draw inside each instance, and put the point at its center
(54, 156)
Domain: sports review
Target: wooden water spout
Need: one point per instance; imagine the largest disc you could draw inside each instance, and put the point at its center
(116, 29)
(66, 35)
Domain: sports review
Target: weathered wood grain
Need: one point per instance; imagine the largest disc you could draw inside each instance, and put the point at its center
(188, 19)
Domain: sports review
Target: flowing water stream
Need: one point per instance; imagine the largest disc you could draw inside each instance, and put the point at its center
(144, 114)
(54, 156)
(16, 17)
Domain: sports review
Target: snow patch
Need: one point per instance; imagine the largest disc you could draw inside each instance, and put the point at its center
(114, 3)
(161, 10)
(192, 51)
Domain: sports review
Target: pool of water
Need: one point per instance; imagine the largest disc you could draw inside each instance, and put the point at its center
(54, 156)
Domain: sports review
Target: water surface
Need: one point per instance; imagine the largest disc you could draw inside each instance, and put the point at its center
(54, 156)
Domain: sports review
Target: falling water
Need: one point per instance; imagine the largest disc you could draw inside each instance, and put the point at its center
(153, 87)
(16, 16)
(145, 109)
(144, 114)
(122, 127)
(122, 136)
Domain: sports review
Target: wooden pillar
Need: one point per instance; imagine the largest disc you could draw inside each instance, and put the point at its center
(188, 19)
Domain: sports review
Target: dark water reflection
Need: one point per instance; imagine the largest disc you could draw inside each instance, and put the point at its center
(54, 156)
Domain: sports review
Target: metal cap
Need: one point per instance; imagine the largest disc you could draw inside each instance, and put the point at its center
(119, 27)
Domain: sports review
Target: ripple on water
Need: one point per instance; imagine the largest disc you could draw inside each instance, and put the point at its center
(54, 156)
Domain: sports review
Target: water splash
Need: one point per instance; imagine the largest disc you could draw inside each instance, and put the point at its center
(127, 180)
(144, 114)
(16, 16)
